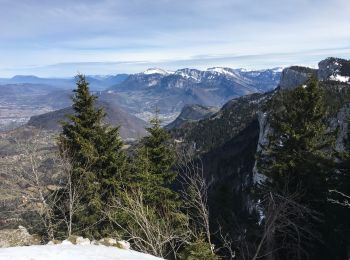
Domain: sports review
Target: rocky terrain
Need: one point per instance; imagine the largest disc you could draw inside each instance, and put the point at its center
(191, 113)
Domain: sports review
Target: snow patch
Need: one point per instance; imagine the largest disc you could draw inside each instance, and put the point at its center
(340, 78)
(220, 70)
(157, 71)
(71, 252)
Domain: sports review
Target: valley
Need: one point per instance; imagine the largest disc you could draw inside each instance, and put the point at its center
(138, 94)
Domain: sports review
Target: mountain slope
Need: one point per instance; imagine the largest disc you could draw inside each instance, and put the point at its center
(222, 126)
(228, 141)
(191, 113)
(130, 126)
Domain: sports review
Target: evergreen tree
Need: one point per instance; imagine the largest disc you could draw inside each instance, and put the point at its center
(97, 158)
(298, 159)
(297, 154)
(198, 250)
(155, 159)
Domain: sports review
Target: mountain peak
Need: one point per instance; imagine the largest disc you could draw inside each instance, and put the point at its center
(221, 70)
(25, 77)
(156, 71)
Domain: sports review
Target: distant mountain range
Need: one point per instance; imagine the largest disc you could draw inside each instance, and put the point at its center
(138, 94)
(170, 91)
(97, 82)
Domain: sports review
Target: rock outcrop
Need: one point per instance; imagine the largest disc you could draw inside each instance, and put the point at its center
(330, 68)
(192, 113)
(295, 76)
(17, 237)
(78, 240)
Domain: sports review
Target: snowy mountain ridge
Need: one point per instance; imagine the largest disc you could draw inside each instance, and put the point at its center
(195, 73)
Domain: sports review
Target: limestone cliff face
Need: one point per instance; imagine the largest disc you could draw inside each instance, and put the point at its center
(264, 131)
(341, 123)
(295, 76)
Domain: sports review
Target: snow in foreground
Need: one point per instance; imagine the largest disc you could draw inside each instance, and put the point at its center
(71, 252)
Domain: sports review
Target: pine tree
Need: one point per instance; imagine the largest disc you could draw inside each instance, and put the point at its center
(297, 155)
(298, 159)
(198, 250)
(97, 158)
(155, 159)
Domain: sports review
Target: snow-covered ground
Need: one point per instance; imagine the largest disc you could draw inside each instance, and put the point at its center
(71, 252)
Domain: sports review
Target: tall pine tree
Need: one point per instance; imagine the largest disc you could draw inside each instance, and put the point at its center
(155, 160)
(98, 161)
(298, 159)
(297, 153)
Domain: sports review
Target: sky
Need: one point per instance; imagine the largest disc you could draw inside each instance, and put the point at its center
(51, 38)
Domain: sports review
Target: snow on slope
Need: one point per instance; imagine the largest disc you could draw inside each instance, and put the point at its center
(340, 78)
(220, 70)
(156, 71)
(71, 252)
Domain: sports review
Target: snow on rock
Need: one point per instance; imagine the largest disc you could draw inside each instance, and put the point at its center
(71, 252)
(340, 78)
(123, 244)
(107, 241)
(156, 71)
(220, 70)
(66, 242)
(82, 241)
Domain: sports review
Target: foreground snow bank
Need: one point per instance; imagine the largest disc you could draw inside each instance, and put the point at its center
(71, 252)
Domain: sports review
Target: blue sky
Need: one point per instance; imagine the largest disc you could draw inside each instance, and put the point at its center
(60, 38)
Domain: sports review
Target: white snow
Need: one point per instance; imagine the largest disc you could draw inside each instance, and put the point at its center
(157, 71)
(188, 73)
(340, 78)
(220, 70)
(278, 69)
(71, 252)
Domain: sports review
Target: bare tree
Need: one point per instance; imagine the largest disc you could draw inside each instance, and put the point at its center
(343, 201)
(283, 220)
(195, 193)
(69, 195)
(38, 185)
(150, 231)
(26, 180)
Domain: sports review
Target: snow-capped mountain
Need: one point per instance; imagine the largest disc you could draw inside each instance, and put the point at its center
(330, 69)
(156, 71)
(169, 91)
(139, 94)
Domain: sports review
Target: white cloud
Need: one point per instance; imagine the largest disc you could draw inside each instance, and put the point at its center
(40, 33)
